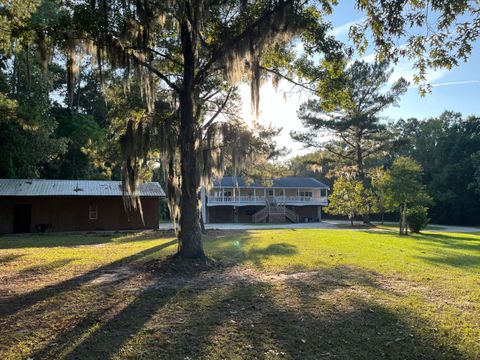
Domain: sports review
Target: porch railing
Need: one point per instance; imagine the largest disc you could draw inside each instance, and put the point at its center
(229, 199)
(263, 199)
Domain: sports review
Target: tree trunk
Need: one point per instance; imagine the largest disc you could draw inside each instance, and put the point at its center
(190, 235)
(383, 216)
(366, 218)
(400, 222)
(360, 171)
(405, 219)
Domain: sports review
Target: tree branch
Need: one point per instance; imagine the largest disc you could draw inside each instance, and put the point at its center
(157, 72)
(168, 57)
(289, 79)
(220, 108)
(220, 51)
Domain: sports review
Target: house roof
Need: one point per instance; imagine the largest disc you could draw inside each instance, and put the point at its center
(40, 187)
(286, 182)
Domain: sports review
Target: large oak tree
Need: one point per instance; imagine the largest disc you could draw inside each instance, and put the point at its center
(187, 55)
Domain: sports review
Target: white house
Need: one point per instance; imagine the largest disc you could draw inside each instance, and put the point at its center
(289, 199)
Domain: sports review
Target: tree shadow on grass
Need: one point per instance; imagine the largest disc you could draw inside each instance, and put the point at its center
(450, 237)
(454, 242)
(268, 321)
(258, 255)
(433, 236)
(5, 259)
(11, 305)
(106, 339)
(32, 270)
(323, 316)
(434, 239)
(455, 260)
(330, 313)
(240, 247)
(446, 253)
(50, 240)
(443, 249)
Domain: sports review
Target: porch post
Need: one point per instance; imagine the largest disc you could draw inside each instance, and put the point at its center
(254, 194)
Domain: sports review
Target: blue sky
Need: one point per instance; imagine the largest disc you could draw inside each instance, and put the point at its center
(456, 90)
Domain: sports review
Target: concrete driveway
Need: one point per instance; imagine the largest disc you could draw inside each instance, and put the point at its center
(324, 225)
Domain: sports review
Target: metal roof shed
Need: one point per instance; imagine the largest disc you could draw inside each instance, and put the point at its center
(74, 205)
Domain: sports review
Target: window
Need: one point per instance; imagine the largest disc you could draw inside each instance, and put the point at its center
(92, 212)
(270, 192)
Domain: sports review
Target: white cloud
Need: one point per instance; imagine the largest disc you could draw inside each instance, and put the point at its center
(343, 29)
(368, 58)
(456, 83)
(405, 68)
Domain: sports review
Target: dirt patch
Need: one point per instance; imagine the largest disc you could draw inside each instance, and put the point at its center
(112, 276)
(173, 274)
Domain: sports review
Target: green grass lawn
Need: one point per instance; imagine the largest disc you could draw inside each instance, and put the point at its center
(390, 226)
(271, 294)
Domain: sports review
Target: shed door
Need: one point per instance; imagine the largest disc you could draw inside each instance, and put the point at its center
(22, 218)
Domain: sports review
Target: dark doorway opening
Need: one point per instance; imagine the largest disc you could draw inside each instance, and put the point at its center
(22, 217)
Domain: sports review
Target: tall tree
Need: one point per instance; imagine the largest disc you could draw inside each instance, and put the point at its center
(379, 179)
(27, 129)
(191, 51)
(475, 184)
(344, 121)
(347, 109)
(311, 164)
(348, 198)
(444, 146)
(405, 188)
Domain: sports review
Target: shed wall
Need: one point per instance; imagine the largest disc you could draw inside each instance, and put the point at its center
(67, 213)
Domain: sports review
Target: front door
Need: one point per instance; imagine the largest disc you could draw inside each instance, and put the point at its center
(22, 217)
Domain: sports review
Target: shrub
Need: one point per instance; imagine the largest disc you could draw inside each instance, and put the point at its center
(417, 218)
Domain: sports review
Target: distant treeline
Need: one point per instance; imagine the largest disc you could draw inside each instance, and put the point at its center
(448, 149)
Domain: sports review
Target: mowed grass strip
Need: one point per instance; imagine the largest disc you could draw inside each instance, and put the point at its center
(279, 294)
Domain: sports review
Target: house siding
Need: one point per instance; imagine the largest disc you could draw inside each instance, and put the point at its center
(71, 213)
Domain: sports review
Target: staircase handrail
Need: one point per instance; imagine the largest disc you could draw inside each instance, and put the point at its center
(292, 215)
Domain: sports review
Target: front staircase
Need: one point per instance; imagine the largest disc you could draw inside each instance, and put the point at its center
(274, 214)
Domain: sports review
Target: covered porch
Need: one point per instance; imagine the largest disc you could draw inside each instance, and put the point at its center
(219, 196)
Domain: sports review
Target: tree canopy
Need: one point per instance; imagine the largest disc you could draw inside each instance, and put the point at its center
(348, 198)
(185, 57)
(109, 88)
(405, 188)
(345, 118)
